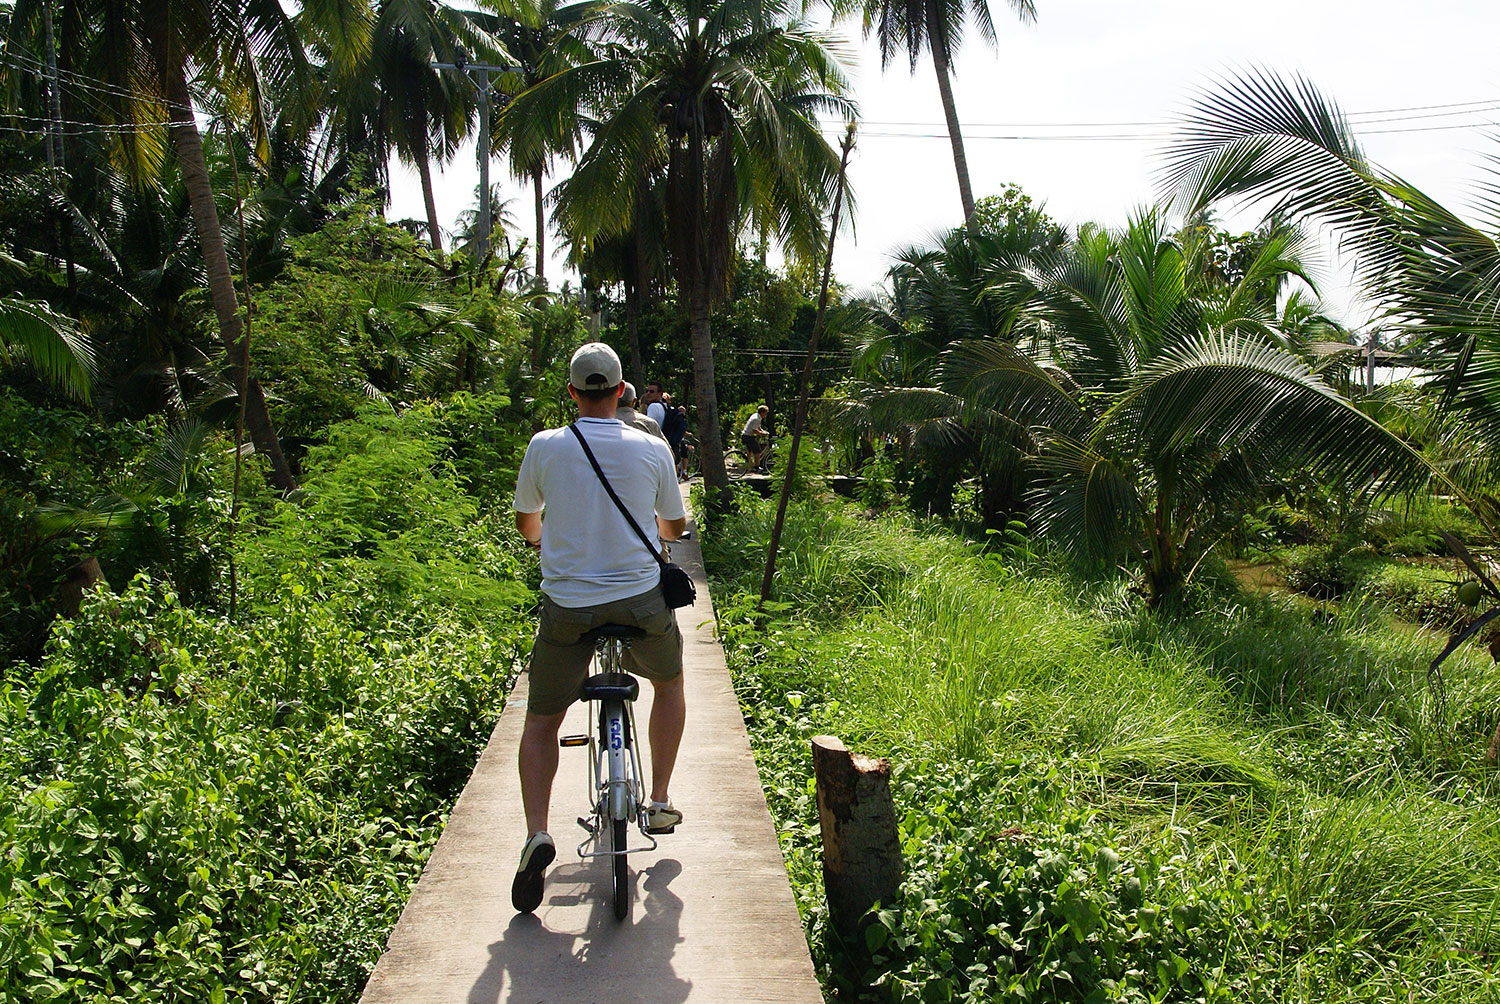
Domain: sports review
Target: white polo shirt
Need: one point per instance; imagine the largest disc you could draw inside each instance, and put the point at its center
(589, 553)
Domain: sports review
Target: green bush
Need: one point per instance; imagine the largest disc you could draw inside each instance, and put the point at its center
(194, 809)
(1324, 573)
(1420, 594)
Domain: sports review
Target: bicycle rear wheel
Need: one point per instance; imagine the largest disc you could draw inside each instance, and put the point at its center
(621, 870)
(736, 463)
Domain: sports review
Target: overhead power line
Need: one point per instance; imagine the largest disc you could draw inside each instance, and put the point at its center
(1462, 108)
(1158, 137)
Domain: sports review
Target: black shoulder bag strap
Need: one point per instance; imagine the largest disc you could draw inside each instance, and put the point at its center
(615, 498)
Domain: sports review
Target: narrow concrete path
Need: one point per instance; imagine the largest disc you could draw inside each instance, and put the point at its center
(712, 918)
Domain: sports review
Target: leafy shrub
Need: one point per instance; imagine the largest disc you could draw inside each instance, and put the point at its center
(384, 495)
(194, 809)
(1321, 572)
(1420, 594)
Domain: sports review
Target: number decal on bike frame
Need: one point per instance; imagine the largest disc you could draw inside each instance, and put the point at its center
(616, 735)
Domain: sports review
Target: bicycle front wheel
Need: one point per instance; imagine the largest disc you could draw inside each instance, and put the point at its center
(621, 870)
(736, 463)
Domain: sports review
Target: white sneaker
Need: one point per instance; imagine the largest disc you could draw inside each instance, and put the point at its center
(662, 818)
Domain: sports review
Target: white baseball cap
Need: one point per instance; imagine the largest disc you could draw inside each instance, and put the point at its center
(595, 367)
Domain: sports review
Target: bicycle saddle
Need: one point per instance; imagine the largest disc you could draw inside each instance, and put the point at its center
(615, 631)
(611, 686)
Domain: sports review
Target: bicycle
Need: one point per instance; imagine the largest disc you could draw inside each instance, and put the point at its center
(615, 777)
(688, 468)
(737, 463)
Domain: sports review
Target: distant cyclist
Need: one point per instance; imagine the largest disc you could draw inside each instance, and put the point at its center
(594, 572)
(755, 439)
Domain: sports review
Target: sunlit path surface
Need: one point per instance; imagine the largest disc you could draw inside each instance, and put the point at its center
(712, 916)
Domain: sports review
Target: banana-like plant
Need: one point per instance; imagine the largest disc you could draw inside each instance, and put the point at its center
(1162, 403)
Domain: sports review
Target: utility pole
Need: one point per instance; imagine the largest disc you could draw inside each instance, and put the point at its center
(800, 416)
(482, 81)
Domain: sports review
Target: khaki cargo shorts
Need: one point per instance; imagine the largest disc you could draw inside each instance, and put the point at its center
(560, 656)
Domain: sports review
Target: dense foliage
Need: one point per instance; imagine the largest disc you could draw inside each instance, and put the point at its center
(204, 808)
(1098, 804)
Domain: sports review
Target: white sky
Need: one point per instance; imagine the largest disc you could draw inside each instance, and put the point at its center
(1101, 61)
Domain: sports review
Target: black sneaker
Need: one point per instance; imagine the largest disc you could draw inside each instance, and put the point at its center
(526, 890)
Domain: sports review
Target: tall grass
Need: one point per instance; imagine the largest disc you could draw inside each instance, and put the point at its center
(1275, 785)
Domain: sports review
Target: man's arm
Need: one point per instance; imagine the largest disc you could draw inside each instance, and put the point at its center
(530, 526)
(667, 529)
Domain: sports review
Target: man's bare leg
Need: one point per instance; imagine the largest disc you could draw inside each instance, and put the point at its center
(538, 758)
(668, 714)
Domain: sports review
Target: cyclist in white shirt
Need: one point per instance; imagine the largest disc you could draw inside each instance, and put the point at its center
(655, 410)
(753, 437)
(595, 571)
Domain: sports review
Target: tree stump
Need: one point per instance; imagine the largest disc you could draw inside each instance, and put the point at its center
(861, 849)
(82, 577)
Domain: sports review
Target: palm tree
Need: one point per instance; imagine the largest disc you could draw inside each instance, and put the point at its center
(244, 56)
(729, 90)
(635, 259)
(542, 38)
(1435, 275)
(939, 296)
(1161, 403)
(396, 100)
(934, 26)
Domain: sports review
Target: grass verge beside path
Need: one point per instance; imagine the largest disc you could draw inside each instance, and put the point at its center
(1099, 805)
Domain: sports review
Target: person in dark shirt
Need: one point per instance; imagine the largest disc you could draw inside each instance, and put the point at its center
(674, 427)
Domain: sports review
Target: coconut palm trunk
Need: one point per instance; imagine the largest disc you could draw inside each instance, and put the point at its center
(189, 145)
(541, 226)
(434, 230)
(710, 443)
(940, 64)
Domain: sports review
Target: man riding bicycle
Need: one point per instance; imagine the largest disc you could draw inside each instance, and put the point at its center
(594, 572)
(755, 439)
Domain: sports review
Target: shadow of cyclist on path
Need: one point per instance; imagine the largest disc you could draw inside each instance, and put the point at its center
(610, 960)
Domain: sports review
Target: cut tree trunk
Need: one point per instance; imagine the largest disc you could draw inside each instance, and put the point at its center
(189, 146)
(950, 110)
(861, 847)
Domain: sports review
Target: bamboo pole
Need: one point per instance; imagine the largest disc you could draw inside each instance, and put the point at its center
(800, 416)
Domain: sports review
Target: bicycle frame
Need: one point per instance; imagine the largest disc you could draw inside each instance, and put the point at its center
(615, 774)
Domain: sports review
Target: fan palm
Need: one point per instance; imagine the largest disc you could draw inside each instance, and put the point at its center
(729, 89)
(936, 27)
(1161, 403)
(1435, 275)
